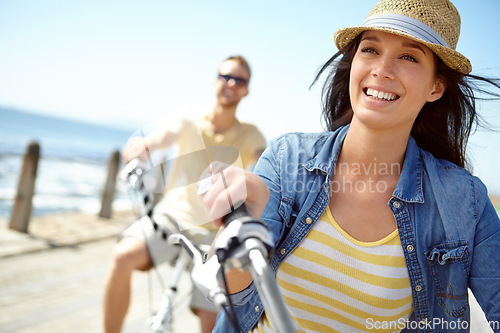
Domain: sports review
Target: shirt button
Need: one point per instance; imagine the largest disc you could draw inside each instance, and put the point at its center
(309, 220)
(282, 251)
(418, 288)
(396, 204)
(257, 308)
(409, 248)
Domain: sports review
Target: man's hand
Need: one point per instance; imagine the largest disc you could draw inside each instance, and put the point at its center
(136, 147)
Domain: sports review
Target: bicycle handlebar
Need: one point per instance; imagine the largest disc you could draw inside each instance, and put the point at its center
(240, 226)
(244, 244)
(240, 212)
(136, 176)
(133, 172)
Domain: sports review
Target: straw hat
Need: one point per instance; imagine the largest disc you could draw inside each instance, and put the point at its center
(434, 23)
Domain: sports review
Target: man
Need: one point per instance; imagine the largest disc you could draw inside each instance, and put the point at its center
(218, 136)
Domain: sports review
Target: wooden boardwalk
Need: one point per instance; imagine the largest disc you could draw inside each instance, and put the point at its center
(60, 290)
(52, 279)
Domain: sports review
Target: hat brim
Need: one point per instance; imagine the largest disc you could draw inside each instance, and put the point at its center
(450, 57)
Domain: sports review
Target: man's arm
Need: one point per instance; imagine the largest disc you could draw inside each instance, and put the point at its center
(161, 138)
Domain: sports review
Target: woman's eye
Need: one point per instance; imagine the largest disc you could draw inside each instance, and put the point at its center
(409, 58)
(368, 50)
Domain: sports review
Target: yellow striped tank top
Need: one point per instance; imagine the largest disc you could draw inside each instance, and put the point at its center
(334, 283)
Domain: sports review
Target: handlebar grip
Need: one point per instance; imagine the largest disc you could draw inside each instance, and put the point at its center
(237, 213)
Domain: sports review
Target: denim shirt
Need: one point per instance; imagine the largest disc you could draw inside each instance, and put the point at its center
(449, 229)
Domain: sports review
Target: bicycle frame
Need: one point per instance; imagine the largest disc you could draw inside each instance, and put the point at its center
(161, 322)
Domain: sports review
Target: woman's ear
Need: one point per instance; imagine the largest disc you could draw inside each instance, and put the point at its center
(438, 91)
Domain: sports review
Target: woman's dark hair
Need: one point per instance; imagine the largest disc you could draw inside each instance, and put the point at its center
(442, 127)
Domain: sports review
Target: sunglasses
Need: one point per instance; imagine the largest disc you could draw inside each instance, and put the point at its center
(238, 81)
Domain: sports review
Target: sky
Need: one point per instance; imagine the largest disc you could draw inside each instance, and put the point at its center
(131, 63)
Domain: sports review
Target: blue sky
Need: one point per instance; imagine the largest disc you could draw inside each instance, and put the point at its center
(130, 63)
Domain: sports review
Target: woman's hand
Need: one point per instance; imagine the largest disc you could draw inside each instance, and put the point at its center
(222, 186)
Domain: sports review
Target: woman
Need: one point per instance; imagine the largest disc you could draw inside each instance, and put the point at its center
(378, 226)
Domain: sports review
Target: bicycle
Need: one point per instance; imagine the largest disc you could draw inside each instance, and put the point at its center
(140, 180)
(245, 244)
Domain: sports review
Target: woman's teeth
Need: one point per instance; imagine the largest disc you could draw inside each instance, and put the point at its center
(380, 94)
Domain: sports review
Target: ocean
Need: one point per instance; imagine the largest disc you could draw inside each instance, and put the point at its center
(72, 169)
(74, 156)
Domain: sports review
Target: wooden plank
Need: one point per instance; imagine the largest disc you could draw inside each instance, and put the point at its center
(60, 290)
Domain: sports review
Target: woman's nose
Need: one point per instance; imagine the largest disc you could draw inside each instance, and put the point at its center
(384, 68)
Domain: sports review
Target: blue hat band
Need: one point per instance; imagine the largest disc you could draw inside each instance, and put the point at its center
(405, 24)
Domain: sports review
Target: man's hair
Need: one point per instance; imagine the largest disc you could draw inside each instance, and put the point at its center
(242, 61)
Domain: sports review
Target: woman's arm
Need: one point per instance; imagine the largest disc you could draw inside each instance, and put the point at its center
(484, 279)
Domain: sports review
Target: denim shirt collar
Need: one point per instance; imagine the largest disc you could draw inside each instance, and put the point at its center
(409, 186)
(325, 160)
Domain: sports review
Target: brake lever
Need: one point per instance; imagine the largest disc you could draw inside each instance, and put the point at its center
(208, 276)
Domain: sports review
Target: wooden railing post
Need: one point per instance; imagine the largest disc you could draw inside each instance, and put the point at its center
(108, 193)
(21, 211)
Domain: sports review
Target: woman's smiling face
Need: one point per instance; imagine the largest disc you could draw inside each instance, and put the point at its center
(392, 77)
